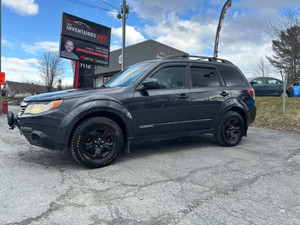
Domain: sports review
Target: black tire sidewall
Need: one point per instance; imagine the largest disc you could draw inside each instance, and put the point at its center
(224, 141)
(79, 137)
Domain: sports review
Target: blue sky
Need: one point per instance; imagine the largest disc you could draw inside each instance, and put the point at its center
(30, 27)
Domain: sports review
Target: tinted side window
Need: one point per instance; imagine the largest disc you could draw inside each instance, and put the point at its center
(171, 77)
(232, 77)
(258, 81)
(274, 81)
(204, 77)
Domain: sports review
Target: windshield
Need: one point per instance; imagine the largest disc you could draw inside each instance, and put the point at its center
(130, 75)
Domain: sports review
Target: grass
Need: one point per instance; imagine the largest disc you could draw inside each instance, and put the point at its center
(269, 114)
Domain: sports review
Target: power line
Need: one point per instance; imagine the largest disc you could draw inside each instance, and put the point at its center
(109, 4)
(90, 5)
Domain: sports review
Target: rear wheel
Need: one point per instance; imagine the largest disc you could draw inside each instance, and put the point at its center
(96, 142)
(286, 94)
(231, 129)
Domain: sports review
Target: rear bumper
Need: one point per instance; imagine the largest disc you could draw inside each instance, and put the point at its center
(251, 114)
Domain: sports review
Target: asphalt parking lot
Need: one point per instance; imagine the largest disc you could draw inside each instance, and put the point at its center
(187, 181)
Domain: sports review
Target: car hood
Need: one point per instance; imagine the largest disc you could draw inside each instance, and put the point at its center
(72, 93)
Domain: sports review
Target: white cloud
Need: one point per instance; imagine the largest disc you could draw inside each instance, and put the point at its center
(185, 35)
(235, 15)
(22, 7)
(20, 69)
(268, 5)
(8, 44)
(113, 14)
(158, 9)
(132, 35)
(243, 38)
(115, 47)
(40, 46)
(27, 70)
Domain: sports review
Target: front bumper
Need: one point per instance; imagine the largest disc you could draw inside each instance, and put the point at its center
(47, 130)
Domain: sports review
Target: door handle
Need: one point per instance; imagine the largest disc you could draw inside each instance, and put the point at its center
(224, 93)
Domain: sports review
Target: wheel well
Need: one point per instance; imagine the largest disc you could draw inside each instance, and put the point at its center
(243, 114)
(287, 92)
(108, 115)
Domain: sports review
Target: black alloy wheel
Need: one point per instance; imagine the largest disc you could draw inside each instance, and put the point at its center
(99, 143)
(231, 129)
(96, 142)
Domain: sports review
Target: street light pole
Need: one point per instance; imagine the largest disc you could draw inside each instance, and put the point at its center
(284, 94)
(124, 11)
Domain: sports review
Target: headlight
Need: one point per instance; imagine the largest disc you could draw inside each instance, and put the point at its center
(37, 108)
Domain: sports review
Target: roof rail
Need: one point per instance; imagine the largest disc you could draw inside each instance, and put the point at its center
(176, 56)
(211, 59)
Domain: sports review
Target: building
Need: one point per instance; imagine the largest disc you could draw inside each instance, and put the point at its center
(20, 90)
(146, 50)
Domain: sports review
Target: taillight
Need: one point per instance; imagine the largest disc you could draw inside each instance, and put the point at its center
(251, 93)
(292, 86)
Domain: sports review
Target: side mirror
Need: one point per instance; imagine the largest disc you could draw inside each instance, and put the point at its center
(150, 83)
(253, 82)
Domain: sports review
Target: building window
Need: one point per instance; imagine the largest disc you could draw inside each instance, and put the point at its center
(96, 82)
(106, 79)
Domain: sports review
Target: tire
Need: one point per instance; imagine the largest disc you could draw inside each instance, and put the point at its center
(231, 129)
(96, 142)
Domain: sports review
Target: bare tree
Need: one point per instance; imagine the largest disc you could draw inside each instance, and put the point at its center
(51, 68)
(261, 69)
(289, 19)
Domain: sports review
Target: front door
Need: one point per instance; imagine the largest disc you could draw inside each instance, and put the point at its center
(166, 109)
(260, 87)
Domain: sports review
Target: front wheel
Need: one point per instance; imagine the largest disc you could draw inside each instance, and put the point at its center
(231, 129)
(96, 142)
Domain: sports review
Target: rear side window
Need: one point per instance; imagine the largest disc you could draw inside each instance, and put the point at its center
(204, 77)
(232, 77)
(273, 81)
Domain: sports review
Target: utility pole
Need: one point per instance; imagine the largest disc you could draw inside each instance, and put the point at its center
(0, 56)
(222, 16)
(124, 11)
(284, 94)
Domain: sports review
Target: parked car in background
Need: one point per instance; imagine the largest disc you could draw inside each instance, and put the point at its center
(269, 86)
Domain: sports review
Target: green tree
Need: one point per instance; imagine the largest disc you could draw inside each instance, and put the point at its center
(286, 45)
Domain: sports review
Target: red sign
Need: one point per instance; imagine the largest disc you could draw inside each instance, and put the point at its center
(2, 78)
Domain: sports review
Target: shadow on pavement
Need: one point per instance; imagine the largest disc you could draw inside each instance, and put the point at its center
(58, 159)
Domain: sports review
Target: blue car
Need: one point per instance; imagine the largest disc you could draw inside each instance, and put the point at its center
(269, 86)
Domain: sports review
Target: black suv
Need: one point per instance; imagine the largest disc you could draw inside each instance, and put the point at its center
(168, 98)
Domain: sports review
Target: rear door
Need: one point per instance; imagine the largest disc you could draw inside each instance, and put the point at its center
(274, 87)
(207, 95)
(166, 109)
